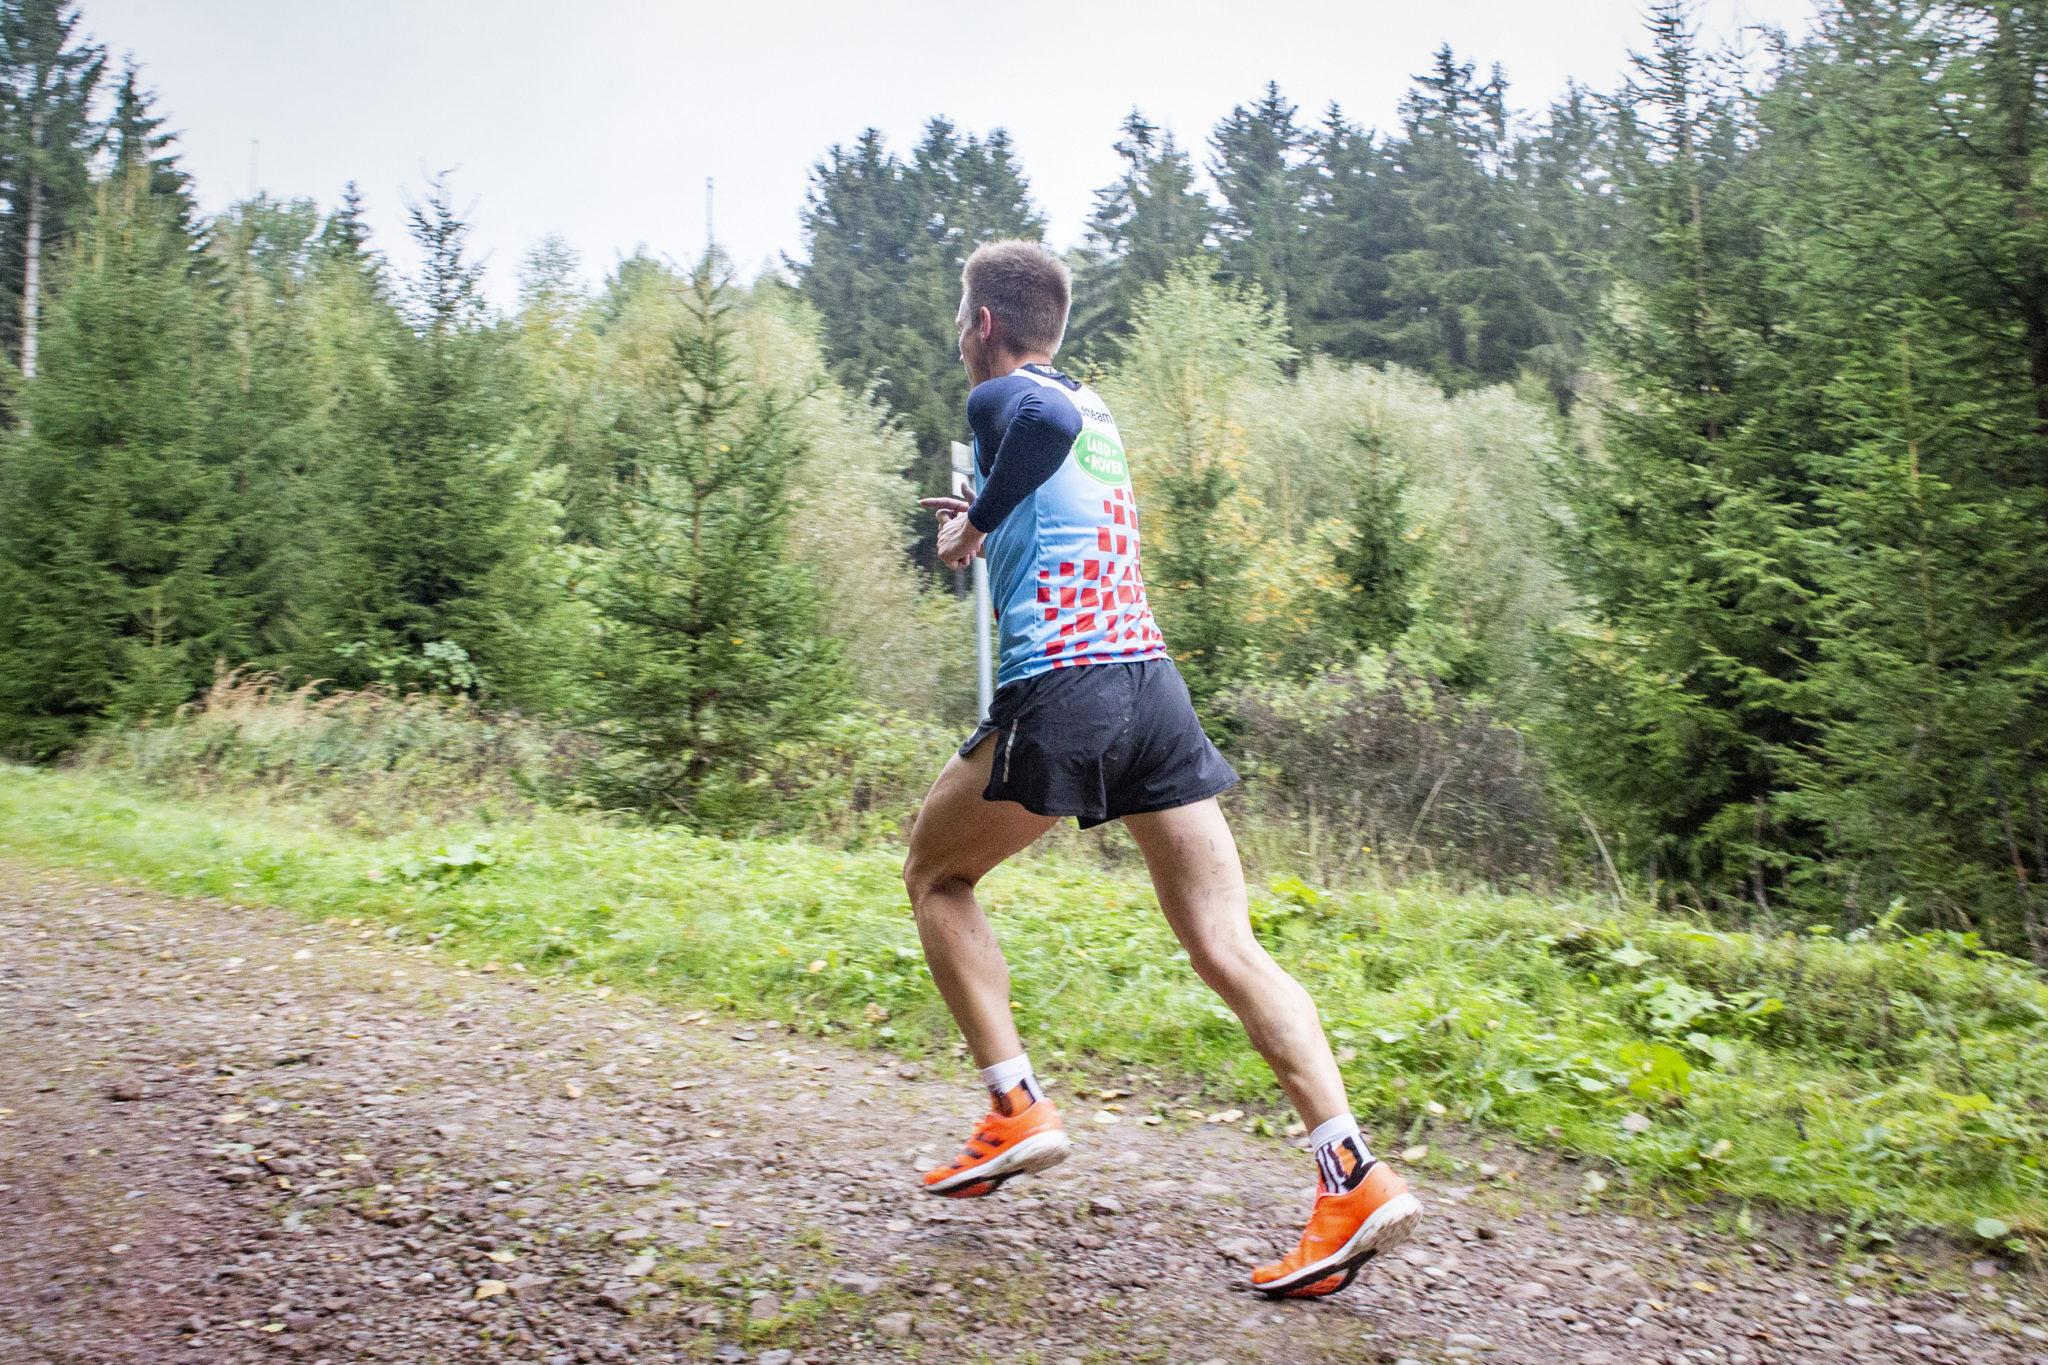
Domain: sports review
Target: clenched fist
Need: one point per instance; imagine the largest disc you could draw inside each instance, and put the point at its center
(959, 542)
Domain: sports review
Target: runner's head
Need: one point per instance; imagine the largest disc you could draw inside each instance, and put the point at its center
(1013, 306)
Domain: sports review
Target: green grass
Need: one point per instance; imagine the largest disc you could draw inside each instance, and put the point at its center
(1903, 1080)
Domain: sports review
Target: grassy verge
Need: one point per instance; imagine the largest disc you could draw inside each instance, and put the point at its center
(1902, 1080)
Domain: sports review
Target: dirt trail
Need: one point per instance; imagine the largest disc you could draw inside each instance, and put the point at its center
(228, 1136)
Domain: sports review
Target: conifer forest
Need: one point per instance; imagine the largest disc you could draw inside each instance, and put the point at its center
(1645, 495)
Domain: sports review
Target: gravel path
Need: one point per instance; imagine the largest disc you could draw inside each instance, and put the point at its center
(229, 1136)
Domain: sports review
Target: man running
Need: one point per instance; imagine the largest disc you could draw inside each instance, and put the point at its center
(1091, 720)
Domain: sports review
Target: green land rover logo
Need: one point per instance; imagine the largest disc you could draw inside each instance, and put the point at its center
(1102, 459)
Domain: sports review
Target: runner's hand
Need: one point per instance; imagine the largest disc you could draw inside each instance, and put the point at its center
(947, 508)
(959, 542)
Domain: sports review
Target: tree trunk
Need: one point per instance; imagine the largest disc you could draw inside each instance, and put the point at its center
(32, 272)
(1756, 865)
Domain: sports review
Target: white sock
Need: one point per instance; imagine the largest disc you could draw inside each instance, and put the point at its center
(1004, 1077)
(1333, 1140)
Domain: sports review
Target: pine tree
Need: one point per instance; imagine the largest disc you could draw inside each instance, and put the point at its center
(1563, 180)
(1911, 263)
(973, 191)
(1196, 567)
(48, 77)
(1150, 220)
(428, 549)
(1260, 172)
(345, 236)
(137, 144)
(1679, 705)
(1359, 220)
(565, 413)
(713, 649)
(111, 515)
(355, 336)
(887, 241)
(1472, 300)
(1380, 563)
(266, 434)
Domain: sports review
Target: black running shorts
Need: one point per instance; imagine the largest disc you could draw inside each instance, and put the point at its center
(1099, 742)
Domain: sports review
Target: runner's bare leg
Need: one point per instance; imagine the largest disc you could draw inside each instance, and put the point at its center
(959, 837)
(1200, 884)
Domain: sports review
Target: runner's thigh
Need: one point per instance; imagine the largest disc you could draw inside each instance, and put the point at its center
(1196, 873)
(959, 833)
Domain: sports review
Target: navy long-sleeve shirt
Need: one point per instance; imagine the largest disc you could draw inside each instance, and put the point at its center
(1022, 433)
(1061, 521)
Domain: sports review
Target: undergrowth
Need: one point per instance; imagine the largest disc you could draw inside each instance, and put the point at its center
(371, 760)
(1892, 1078)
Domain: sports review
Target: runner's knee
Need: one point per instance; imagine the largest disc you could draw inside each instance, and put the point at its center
(1223, 959)
(925, 880)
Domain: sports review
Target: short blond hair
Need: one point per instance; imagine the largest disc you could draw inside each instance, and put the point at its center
(1025, 288)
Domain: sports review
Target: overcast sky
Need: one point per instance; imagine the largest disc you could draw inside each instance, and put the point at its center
(600, 121)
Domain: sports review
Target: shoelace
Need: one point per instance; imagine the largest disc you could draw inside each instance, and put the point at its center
(979, 1147)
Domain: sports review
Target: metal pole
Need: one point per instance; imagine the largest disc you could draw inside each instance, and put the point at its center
(984, 620)
(984, 616)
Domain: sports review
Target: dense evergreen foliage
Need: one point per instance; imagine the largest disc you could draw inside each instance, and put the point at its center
(1807, 531)
(1150, 220)
(712, 650)
(1695, 429)
(49, 73)
(887, 240)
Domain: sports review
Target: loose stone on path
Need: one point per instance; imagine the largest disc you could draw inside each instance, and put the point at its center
(235, 1138)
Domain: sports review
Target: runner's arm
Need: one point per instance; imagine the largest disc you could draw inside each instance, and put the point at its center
(1036, 439)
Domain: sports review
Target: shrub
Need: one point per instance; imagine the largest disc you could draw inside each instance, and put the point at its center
(371, 759)
(858, 779)
(1376, 768)
(378, 762)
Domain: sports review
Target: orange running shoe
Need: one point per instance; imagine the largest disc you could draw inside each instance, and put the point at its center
(1005, 1145)
(1344, 1232)
(1323, 1288)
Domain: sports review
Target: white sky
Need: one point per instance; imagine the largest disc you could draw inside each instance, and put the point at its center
(600, 121)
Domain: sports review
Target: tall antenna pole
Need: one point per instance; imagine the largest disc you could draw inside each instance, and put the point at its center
(709, 239)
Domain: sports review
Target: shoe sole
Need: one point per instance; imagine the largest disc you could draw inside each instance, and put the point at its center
(1310, 1291)
(1389, 1225)
(1039, 1152)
